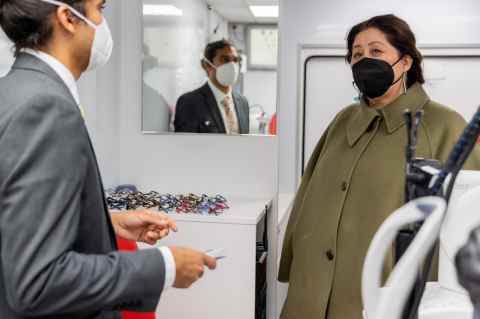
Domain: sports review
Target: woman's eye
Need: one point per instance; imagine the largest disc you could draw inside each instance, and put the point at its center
(376, 51)
(357, 55)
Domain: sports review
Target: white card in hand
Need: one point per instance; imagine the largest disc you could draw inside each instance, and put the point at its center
(216, 253)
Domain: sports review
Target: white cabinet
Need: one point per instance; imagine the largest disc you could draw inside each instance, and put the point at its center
(229, 291)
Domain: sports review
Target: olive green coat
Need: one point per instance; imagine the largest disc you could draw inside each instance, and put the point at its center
(354, 180)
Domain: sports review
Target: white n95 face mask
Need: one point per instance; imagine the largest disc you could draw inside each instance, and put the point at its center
(227, 74)
(102, 46)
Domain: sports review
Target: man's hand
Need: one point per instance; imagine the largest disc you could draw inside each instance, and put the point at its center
(142, 225)
(190, 265)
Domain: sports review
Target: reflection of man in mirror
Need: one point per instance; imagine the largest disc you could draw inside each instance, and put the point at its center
(215, 107)
(156, 112)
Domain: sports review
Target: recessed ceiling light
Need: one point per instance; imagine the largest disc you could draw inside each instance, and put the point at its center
(264, 11)
(161, 10)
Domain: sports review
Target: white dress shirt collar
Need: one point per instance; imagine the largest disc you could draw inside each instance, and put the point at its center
(62, 71)
(217, 93)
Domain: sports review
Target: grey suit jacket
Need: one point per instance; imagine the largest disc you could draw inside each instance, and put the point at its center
(197, 112)
(57, 245)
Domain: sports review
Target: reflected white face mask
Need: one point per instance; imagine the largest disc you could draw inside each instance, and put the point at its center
(102, 46)
(227, 74)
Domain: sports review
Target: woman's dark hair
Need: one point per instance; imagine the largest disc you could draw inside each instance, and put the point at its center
(211, 49)
(26, 22)
(399, 35)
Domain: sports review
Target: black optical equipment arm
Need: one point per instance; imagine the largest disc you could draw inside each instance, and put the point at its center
(417, 183)
(457, 158)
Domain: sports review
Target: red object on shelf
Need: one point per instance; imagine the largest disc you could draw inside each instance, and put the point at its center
(137, 315)
(129, 245)
(273, 125)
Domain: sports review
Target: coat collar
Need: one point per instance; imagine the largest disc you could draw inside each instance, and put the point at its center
(26, 61)
(414, 99)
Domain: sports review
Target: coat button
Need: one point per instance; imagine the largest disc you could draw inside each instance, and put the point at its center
(330, 254)
(344, 186)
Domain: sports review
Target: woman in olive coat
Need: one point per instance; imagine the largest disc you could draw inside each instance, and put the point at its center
(355, 177)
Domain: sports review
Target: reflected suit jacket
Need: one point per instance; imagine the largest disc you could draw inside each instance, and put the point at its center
(198, 112)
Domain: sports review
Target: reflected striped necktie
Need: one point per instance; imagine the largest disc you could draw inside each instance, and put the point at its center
(230, 119)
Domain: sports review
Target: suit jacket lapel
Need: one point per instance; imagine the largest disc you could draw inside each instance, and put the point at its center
(213, 107)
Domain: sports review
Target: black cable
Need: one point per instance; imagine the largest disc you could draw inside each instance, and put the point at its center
(465, 140)
(461, 162)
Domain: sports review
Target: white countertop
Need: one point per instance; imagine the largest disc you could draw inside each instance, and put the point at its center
(242, 211)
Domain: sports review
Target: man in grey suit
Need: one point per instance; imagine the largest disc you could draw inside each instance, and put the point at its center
(57, 238)
(215, 107)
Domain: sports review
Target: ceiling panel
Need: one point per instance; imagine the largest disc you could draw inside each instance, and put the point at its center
(263, 2)
(227, 3)
(233, 14)
(238, 10)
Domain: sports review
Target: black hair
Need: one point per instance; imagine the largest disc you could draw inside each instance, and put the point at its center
(399, 35)
(212, 48)
(26, 22)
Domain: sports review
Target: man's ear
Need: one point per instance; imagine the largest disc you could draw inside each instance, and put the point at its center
(66, 19)
(206, 66)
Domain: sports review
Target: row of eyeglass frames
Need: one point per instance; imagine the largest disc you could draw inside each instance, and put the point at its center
(182, 204)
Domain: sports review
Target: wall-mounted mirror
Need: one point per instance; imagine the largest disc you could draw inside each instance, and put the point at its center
(209, 67)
